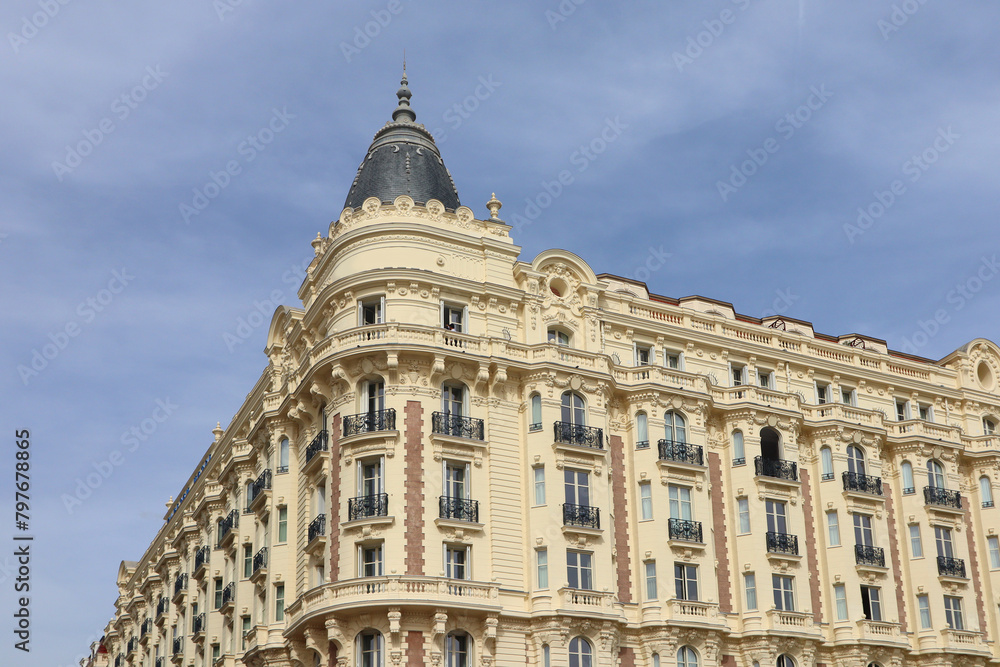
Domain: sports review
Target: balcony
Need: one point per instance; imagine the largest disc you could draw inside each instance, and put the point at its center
(936, 496)
(581, 436)
(951, 567)
(869, 555)
(776, 469)
(161, 608)
(317, 527)
(681, 452)
(582, 516)
(226, 527)
(145, 630)
(259, 569)
(858, 483)
(133, 643)
(228, 597)
(180, 585)
(458, 509)
(198, 626)
(782, 543)
(321, 443)
(118, 660)
(159, 662)
(684, 530)
(457, 426)
(259, 489)
(178, 646)
(364, 507)
(370, 422)
(201, 561)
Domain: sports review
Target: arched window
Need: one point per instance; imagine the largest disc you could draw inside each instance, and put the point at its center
(641, 431)
(935, 474)
(574, 409)
(453, 399)
(656, 660)
(676, 427)
(986, 491)
(784, 660)
(906, 469)
(456, 650)
(826, 462)
(770, 444)
(283, 455)
(686, 657)
(373, 396)
(370, 649)
(559, 337)
(546, 656)
(739, 453)
(536, 413)
(855, 460)
(581, 653)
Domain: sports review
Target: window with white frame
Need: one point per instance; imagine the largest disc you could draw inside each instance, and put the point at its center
(538, 473)
(902, 409)
(454, 317)
(989, 426)
(454, 399)
(943, 543)
(580, 569)
(906, 472)
(641, 431)
(750, 587)
(279, 602)
(650, 567)
(542, 567)
(282, 525)
(986, 491)
(840, 599)
(370, 649)
(784, 597)
(373, 397)
(673, 359)
(371, 310)
(833, 528)
(863, 534)
(536, 413)
(645, 501)
(675, 426)
(776, 516)
(371, 559)
(686, 582)
(935, 474)
(739, 452)
(680, 502)
(926, 412)
(643, 354)
(558, 336)
(743, 515)
(283, 450)
(871, 602)
(686, 657)
(916, 545)
(848, 396)
(924, 609)
(822, 393)
(826, 463)
(581, 653)
(953, 612)
(737, 375)
(456, 561)
(456, 650)
(993, 547)
(576, 484)
(456, 480)
(371, 480)
(765, 378)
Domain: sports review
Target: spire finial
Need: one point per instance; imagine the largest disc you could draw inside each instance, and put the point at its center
(403, 112)
(494, 207)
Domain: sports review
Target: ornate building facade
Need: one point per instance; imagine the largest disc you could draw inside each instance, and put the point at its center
(455, 457)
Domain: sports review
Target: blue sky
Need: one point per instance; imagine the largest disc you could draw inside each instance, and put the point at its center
(739, 137)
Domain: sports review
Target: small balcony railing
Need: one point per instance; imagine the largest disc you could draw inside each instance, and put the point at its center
(178, 645)
(262, 483)
(459, 509)
(229, 594)
(147, 627)
(363, 507)
(777, 468)
(118, 660)
(180, 583)
(132, 644)
(935, 495)
(681, 452)
(782, 543)
(201, 557)
(162, 606)
(320, 443)
(198, 624)
(740, 461)
(862, 483)
(577, 434)
(457, 426)
(682, 529)
(951, 567)
(585, 516)
(226, 526)
(317, 527)
(159, 662)
(260, 560)
(869, 555)
(370, 422)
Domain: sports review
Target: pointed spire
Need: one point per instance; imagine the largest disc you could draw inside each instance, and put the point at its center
(403, 112)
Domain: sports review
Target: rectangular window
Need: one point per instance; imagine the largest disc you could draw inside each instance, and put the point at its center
(942, 540)
(840, 596)
(218, 592)
(279, 602)
(776, 522)
(993, 546)
(243, 635)
(282, 524)
(750, 586)
(577, 487)
(673, 359)
(765, 379)
(456, 561)
(902, 409)
(686, 582)
(737, 375)
(370, 482)
(539, 473)
(580, 569)
(643, 355)
(216, 652)
(542, 563)
(822, 394)
(453, 317)
(680, 502)
(371, 310)
(926, 412)
(641, 431)
(646, 500)
(871, 601)
(916, 546)
(953, 612)
(833, 528)
(247, 560)
(863, 530)
(651, 580)
(848, 396)
(743, 507)
(784, 599)
(924, 607)
(370, 560)
(456, 479)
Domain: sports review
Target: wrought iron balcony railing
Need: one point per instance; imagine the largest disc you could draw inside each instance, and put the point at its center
(259, 560)
(460, 509)
(363, 507)
(132, 644)
(862, 483)
(740, 461)
(261, 484)
(908, 490)
(951, 567)
(777, 468)
(178, 645)
(159, 662)
(229, 593)
(987, 504)
(226, 525)
(118, 660)
(585, 516)
(370, 422)
(935, 495)
(681, 452)
(162, 606)
(180, 583)
(198, 624)
(320, 443)
(642, 444)
(457, 426)
(782, 543)
(317, 527)
(868, 555)
(682, 529)
(147, 627)
(577, 434)
(201, 557)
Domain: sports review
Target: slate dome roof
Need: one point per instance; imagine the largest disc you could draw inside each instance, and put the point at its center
(403, 160)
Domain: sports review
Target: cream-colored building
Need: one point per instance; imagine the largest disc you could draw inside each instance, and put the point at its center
(456, 457)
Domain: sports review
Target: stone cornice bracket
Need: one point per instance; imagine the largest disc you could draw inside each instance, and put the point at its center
(317, 641)
(320, 393)
(437, 369)
(440, 625)
(336, 632)
(297, 653)
(395, 620)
